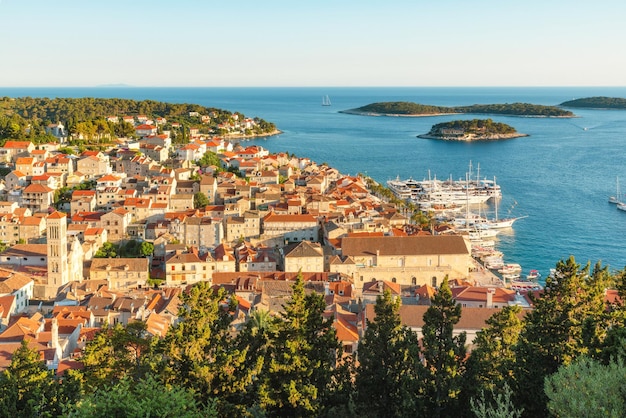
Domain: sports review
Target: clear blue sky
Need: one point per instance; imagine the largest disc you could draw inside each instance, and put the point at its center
(313, 43)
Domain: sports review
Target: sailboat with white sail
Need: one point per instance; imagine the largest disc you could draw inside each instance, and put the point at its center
(617, 198)
(326, 101)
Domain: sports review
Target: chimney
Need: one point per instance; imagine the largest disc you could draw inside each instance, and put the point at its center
(490, 292)
(54, 337)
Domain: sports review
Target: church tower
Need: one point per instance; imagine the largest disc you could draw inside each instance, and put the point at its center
(58, 274)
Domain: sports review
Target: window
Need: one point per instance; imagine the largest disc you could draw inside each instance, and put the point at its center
(347, 348)
(414, 281)
(434, 282)
(393, 280)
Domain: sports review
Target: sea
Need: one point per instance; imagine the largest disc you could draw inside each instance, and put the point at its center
(559, 177)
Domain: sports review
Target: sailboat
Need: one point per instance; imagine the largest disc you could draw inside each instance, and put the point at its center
(617, 197)
(502, 223)
(326, 101)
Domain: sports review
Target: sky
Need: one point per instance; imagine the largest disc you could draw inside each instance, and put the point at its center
(323, 43)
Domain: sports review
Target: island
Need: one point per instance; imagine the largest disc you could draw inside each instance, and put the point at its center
(416, 110)
(472, 130)
(598, 102)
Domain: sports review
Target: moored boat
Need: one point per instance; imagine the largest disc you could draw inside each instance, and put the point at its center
(510, 268)
(533, 275)
(525, 286)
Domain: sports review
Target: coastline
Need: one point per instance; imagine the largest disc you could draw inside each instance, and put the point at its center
(424, 115)
(473, 138)
(240, 136)
(398, 115)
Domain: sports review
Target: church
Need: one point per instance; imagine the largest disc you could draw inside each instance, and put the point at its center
(51, 265)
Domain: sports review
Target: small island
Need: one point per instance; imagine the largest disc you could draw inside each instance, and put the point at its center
(472, 130)
(598, 102)
(410, 109)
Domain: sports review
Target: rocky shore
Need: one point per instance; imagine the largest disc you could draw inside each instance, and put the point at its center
(473, 137)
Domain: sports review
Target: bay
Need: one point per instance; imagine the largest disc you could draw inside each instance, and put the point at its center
(560, 176)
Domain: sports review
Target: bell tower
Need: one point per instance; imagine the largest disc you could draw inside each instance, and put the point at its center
(58, 274)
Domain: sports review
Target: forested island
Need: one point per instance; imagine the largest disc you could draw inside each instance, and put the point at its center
(95, 120)
(472, 130)
(598, 102)
(415, 109)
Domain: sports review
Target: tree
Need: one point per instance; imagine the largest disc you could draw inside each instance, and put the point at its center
(147, 397)
(28, 388)
(200, 200)
(297, 375)
(586, 388)
(496, 405)
(444, 354)
(490, 365)
(116, 353)
(146, 249)
(199, 351)
(108, 250)
(570, 319)
(386, 378)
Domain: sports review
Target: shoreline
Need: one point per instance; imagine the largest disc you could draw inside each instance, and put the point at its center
(473, 138)
(425, 115)
(254, 136)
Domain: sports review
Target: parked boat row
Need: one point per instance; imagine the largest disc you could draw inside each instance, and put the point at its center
(618, 199)
(433, 193)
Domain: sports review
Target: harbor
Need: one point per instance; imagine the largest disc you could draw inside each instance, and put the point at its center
(459, 204)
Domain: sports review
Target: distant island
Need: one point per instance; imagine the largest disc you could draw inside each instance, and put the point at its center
(472, 130)
(598, 102)
(415, 109)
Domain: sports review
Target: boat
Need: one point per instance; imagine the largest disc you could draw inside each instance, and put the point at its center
(326, 101)
(621, 206)
(533, 275)
(525, 286)
(510, 268)
(617, 198)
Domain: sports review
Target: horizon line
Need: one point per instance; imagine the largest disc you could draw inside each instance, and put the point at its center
(121, 85)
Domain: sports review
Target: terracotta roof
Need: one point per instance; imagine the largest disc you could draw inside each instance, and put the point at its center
(57, 215)
(414, 245)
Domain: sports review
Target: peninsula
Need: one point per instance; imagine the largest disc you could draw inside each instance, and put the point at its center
(597, 102)
(472, 130)
(410, 109)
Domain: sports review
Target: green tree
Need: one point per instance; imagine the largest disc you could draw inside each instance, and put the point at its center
(147, 397)
(297, 377)
(146, 248)
(28, 388)
(496, 405)
(586, 388)
(489, 368)
(386, 377)
(199, 350)
(200, 200)
(116, 353)
(108, 250)
(444, 354)
(569, 319)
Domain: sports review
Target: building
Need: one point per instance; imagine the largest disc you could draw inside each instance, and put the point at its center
(120, 273)
(412, 260)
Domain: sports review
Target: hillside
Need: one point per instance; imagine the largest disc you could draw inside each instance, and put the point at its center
(598, 102)
(472, 130)
(415, 109)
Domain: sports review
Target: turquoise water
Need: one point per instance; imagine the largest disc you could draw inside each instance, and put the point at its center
(560, 176)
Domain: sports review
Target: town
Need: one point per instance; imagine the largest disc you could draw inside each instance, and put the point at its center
(119, 235)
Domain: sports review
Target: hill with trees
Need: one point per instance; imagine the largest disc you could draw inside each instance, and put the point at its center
(598, 102)
(472, 130)
(26, 118)
(415, 109)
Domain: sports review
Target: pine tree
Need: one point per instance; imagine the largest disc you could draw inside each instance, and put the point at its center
(297, 375)
(444, 354)
(569, 320)
(199, 352)
(386, 380)
(489, 367)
